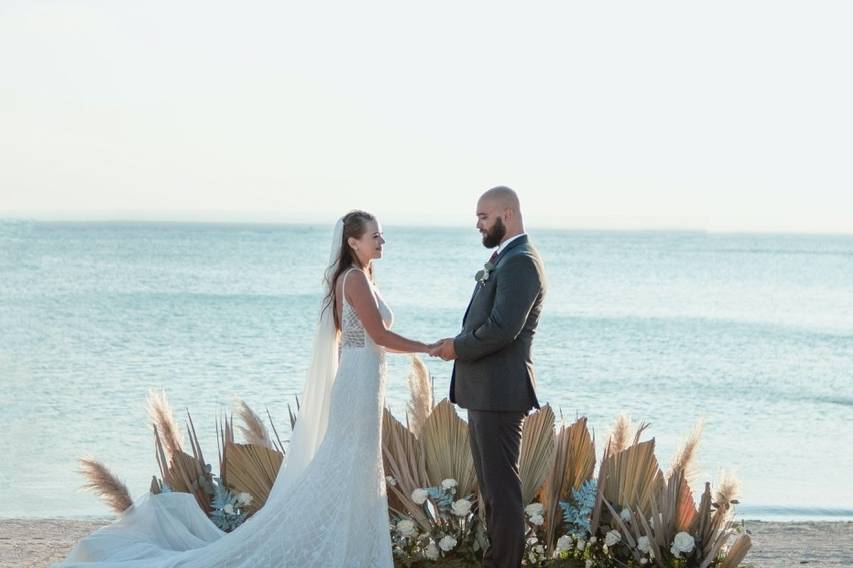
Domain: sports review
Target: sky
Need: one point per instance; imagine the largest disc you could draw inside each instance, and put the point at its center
(718, 116)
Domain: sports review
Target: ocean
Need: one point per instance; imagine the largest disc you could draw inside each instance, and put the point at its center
(753, 334)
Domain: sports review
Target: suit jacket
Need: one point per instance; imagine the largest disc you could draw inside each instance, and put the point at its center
(494, 367)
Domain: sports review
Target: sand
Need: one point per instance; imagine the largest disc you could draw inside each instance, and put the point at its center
(31, 543)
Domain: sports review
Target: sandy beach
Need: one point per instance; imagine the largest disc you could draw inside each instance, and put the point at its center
(36, 543)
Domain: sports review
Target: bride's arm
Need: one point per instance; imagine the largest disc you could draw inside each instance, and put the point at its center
(361, 298)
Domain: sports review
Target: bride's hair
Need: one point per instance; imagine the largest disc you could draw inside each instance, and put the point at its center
(355, 225)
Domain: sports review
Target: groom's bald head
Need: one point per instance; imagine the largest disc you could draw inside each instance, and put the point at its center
(503, 197)
(499, 215)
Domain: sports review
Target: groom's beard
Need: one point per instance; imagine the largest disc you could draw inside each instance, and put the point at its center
(495, 235)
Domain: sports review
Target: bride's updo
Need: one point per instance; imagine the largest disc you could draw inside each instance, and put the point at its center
(355, 225)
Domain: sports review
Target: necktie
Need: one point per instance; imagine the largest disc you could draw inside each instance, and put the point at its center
(493, 257)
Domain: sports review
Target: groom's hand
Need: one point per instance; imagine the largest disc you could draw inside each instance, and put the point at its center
(446, 350)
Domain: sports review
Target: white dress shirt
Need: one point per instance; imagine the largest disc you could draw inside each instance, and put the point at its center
(503, 245)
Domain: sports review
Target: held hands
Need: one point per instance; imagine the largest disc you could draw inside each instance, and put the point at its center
(444, 349)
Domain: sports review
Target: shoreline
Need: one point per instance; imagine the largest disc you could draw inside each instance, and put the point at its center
(38, 542)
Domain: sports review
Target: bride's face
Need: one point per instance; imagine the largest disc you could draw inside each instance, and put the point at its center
(369, 246)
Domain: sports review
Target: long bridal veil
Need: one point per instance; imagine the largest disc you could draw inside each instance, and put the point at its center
(157, 529)
(314, 410)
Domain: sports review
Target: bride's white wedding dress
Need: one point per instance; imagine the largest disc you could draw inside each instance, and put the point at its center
(333, 513)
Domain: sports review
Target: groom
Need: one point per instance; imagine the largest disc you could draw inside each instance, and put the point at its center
(493, 374)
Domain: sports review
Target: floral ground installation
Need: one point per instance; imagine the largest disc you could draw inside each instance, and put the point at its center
(622, 510)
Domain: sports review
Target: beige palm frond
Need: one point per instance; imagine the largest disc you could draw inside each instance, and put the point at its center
(685, 458)
(254, 432)
(633, 477)
(252, 469)
(581, 464)
(572, 465)
(224, 437)
(420, 387)
(737, 552)
(105, 484)
(447, 453)
(537, 451)
(164, 421)
(676, 506)
(620, 435)
(403, 461)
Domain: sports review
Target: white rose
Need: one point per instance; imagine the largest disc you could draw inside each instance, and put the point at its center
(534, 509)
(644, 561)
(447, 543)
(407, 528)
(390, 480)
(537, 520)
(244, 498)
(612, 538)
(229, 509)
(683, 542)
(419, 496)
(588, 563)
(431, 551)
(448, 484)
(643, 544)
(581, 545)
(625, 515)
(461, 507)
(532, 557)
(593, 540)
(564, 543)
(539, 549)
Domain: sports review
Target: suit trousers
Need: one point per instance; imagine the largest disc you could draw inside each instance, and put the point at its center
(495, 445)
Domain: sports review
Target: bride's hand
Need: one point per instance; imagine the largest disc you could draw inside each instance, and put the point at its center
(435, 348)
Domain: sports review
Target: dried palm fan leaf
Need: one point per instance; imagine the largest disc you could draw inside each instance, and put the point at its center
(181, 471)
(293, 415)
(685, 458)
(620, 435)
(686, 511)
(599, 492)
(633, 477)
(447, 453)
(280, 445)
(581, 464)
(420, 387)
(185, 477)
(161, 416)
(403, 460)
(676, 506)
(105, 484)
(737, 552)
(702, 528)
(224, 436)
(573, 464)
(252, 469)
(536, 457)
(254, 432)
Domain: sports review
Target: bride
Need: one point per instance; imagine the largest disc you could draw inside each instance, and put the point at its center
(328, 505)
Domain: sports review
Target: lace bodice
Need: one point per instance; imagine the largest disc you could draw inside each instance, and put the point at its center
(353, 334)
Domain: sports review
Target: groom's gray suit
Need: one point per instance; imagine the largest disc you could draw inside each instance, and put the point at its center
(493, 379)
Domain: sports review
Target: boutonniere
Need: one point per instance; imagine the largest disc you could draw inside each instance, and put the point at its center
(483, 275)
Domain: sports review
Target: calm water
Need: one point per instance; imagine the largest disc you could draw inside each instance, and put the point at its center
(753, 333)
